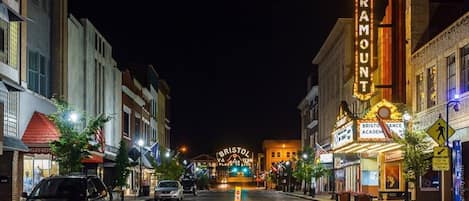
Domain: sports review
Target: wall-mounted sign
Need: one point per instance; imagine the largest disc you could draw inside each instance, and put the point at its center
(372, 130)
(342, 136)
(325, 158)
(363, 87)
(234, 156)
(4, 180)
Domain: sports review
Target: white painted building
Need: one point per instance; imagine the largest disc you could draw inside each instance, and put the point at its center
(94, 84)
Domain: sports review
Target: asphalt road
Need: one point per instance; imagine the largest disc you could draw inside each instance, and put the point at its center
(246, 195)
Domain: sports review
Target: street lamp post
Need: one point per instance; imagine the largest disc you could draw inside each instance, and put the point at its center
(140, 189)
(305, 156)
(455, 104)
(289, 176)
(73, 119)
(406, 117)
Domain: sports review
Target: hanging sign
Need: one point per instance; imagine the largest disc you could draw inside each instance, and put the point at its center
(363, 87)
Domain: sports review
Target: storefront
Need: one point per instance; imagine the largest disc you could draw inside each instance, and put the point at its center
(37, 165)
(360, 147)
(38, 162)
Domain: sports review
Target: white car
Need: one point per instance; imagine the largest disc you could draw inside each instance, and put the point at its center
(169, 190)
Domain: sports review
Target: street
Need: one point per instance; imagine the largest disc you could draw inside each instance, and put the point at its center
(247, 195)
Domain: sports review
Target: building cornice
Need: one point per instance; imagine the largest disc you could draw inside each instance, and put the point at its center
(453, 34)
(132, 95)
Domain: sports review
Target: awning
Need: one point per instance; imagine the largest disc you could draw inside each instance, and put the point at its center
(93, 158)
(368, 147)
(14, 144)
(145, 160)
(12, 14)
(11, 85)
(39, 133)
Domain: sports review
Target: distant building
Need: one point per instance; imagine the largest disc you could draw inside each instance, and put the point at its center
(163, 117)
(309, 111)
(205, 163)
(279, 151)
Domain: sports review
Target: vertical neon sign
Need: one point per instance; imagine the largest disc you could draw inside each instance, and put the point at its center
(363, 87)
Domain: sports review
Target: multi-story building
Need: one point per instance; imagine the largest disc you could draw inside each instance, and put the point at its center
(362, 65)
(12, 73)
(91, 84)
(309, 116)
(36, 129)
(279, 151)
(163, 120)
(440, 71)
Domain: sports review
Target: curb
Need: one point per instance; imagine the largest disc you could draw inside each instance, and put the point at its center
(296, 195)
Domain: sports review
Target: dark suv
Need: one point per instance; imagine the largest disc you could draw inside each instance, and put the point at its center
(189, 186)
(64, 188)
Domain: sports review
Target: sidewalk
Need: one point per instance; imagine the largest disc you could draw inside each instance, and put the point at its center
(320, 197)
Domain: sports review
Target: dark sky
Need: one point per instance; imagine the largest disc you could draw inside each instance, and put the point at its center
(237, 69)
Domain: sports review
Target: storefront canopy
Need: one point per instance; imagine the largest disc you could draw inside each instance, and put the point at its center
(40, 132)
(11, 143)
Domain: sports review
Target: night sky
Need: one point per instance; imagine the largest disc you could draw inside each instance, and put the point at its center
(237, 69)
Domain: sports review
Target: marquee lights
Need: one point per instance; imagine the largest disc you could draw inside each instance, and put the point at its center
(363, 87)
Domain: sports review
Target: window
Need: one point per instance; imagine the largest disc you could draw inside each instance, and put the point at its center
(137, 128)
(273, 154)
(10, 119)
(420, 95)
(288, 154)
(37, 73)
(126, 122)
(278, 154)
(4, 41)
(431, 87)
(294, 153)
(464, 69)
(451, 65)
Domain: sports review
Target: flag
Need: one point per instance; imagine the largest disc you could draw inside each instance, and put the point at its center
(387, 132)
(100, 139)
(155, 151)
(319, 151)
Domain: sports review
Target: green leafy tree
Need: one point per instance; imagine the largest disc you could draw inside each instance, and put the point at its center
(73, 144)
(304, 167)
(415, 147)
(169, 167)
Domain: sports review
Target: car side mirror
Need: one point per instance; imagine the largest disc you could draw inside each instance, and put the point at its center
(24, 195)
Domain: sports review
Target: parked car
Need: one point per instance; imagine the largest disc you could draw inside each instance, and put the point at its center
(189, 186)
(169, 190)
(69, 188)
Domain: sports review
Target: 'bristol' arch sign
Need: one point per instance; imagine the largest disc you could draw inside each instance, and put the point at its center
(234, 156)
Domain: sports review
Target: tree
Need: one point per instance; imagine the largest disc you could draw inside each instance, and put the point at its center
(73, 144)
(304, 167)
(122, 166)
(416, 149)
(168, 168)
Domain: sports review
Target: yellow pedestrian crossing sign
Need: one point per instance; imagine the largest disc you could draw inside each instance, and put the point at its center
(438, 131)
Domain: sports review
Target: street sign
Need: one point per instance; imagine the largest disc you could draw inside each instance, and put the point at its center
(440, 152)
(237, 193)
(440, 164)
(438, 131)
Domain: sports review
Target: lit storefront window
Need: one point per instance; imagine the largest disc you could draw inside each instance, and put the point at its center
(37, 167)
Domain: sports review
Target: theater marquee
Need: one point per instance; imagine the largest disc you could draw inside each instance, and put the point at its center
(363, 85)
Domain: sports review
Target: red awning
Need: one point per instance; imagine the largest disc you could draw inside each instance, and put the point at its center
(93, 158)
(40, 131)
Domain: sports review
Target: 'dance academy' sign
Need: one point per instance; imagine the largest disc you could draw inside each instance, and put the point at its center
(363, 86)
(234, 156)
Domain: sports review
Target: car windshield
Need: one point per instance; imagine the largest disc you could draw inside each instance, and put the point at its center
(187, 183)
(69, 188)
(168, 184)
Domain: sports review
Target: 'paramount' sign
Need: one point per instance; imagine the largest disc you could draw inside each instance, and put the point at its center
(363, 86)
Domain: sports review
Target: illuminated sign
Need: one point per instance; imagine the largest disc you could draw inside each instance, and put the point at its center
(363, 86)
(325, 158)
(234, 156)
(342, 136)
(372, 130)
